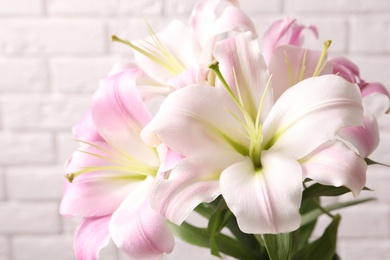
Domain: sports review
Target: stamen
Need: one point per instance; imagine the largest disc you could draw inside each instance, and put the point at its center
(322, 62)
(289, 68)
(303, 66)
(156, 51)
(123, 162)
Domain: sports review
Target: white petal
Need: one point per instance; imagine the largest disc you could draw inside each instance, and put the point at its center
(335, 164)
(240, 58)
(265, 200)
(197, 121)
(188, 185)
(311, 113)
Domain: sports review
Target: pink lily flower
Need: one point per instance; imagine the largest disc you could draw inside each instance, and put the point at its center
(112, 175)
(289, 63)
(283, 32)
(255, 151)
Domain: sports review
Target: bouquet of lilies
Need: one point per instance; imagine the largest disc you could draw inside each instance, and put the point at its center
(210, 119)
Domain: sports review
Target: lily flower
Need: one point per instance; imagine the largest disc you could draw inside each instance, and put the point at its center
(284, 32)
(112, 174)
(178, 55)
(290, 63)
(256, 151)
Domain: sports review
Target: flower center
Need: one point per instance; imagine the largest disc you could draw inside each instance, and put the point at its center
(251, 124)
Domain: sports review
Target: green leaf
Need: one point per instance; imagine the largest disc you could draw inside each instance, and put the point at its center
(199, 237)
(305, 231)
(248, 239)
(316, 190)
(323, 248)
(314, 214)
(216, 223)
(278, 245)
(372, 162)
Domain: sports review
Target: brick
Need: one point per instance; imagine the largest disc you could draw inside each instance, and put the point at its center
(340, 7)
(42, 247)
(23, 75)
(364, 249)
(29, 218)
(65, 145)
(138, 7)
(370, 34)
(52, 36)
(178, 7)
(2, 185)
(42, 183)
(378, 180)
(43, 112)
(261, 6)
(368, 220)
(69, 224)
(26, 148)
(21, 7)
(4, 248)
(79, 75)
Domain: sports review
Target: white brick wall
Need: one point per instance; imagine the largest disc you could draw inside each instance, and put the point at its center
(52, 55)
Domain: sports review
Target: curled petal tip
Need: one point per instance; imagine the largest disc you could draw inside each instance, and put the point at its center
(150, 138)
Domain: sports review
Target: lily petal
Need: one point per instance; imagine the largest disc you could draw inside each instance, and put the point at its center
(119, 114)
(188, 185)
(365, 138)
(86, 130)
(96, 193)
(345, 68)
(333, 103)
(90, 237)
(265, 200)
(287, 64)
(200, 127)
(240, 61)
(283, 32)
(137, 229)
(374, 87)
(178, 40)
(333, 163)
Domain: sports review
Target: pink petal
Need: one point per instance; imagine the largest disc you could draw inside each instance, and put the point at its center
(285, 75)
(137, 229)
(365, 138)
(85, 130)
(266, 200)
(188, 185)
(194, 75)
(283, 32)
(90, 237)
(347, 64)
(119, 114)
(234, 19)
(310, 113)
(240, 59)
(333, 163)
(96, 193)
(373, 88)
